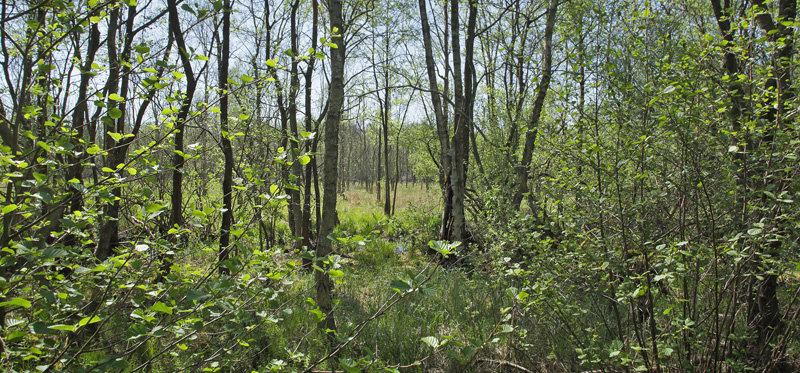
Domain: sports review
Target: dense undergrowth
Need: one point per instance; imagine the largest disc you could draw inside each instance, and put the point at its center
(520, 298)
(628, 202)
(117, 316)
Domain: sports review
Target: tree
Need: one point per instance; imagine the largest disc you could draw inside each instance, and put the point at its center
(763, 311)
(441, 123)
(227, 150)
(522, 168)
(324, 287)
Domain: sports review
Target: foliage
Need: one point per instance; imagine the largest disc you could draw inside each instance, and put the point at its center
(654, 227)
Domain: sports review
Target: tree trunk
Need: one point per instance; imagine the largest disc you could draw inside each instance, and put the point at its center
(227, 149)
(176, 217)
(306, 215)
(117, 152)
(80, 113)
(387, 203)
(441, 123)
(378, 176)
(324, 286)
(294, 154)
(521, 170)
(464, 100)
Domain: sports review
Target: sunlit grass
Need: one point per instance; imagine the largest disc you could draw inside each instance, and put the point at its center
(457, 306)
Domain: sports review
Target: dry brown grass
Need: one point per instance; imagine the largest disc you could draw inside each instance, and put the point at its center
(406, 195)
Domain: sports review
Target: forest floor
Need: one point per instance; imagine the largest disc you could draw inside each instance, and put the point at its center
(458, 307)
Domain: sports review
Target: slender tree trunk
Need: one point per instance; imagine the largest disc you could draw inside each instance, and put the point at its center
(521, 170)
(305, 232)
(324, 286)
(464, 99)
(117, 151)
(387, 203)
(296, 168)
(397, 154)
(227, 149)
(441, 123)
(378, 176)
(176, 217)
(81, 113)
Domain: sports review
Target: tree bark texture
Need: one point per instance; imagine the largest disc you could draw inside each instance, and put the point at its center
(324, 288)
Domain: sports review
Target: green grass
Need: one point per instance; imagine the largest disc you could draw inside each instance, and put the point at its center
(456, 306)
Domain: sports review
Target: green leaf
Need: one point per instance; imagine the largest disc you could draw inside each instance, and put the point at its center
(349, 365)
(9, 208)
(318, 315)
(115, 136)
(94, 149)
(271, 63)
(304, 160)
(115, 113)
(161, 307)
(152, 207)
(197, 295)
(431, 341)
(247, 79)
(400, 286)
(115, 97)
(62, 327)
(89, 320)
(41, 328)
(24, 303)
(52, 252)
(443, 247)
